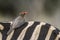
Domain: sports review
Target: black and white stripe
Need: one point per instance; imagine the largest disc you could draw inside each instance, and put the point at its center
(30, 31)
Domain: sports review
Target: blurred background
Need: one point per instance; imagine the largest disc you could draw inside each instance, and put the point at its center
(39, 10)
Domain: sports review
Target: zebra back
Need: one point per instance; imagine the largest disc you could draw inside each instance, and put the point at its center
(31, 30)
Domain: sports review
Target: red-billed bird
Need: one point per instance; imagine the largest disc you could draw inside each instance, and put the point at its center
(20, 20)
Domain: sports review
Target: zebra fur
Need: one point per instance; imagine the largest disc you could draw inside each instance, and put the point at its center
(31, 30)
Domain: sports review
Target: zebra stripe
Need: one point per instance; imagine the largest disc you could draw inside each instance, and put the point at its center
(10, 36)
(37, 31)
(30, 31)
(44, 30)
(17, 32)
(49, 32)
(58, 37)
(21, 36)
(54, 34)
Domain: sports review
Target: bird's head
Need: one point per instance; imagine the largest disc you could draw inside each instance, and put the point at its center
(23, 13)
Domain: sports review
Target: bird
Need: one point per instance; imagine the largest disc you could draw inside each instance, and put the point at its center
(17, 22)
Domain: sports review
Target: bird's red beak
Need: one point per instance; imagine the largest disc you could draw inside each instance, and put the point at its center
(24, 12)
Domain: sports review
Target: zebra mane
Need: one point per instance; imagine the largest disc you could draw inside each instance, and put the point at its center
(27, 31)
(6, 26)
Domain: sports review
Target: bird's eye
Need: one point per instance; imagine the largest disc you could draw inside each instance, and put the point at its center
(1, 27)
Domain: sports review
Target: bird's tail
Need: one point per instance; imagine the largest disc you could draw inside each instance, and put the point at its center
(9, 31)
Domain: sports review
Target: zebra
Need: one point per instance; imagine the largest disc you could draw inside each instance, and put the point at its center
(31, 30)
